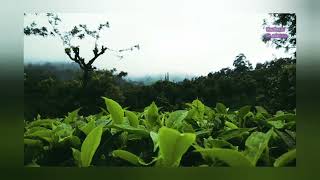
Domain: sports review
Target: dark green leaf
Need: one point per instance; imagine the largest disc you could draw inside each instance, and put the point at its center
(229, 134)
(221, 108)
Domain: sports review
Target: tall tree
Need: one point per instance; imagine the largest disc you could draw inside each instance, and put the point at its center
(72, 50)
(241, 63)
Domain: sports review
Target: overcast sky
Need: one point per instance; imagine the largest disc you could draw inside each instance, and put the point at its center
(178, 39)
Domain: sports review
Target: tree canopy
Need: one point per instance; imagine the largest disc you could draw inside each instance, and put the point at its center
(287, 21)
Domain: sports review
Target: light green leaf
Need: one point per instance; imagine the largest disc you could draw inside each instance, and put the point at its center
(155, 139)
(197, 104)
(256, 143)
(176, 118)
(152, 113)
(209, 112)
(72, 116)
(90, 145)
(115, 110)
(133, 119)
(34, 129)
(45, 134)
(63, 130)
(277, 124)
(47, 123)
(231, 125)
(197, 111)
(278, 113)
(76, 156)
(218, 143)
(229, 156)
(130, 157)
(139, 131)
(285, 158)
(173, 145)
(88, 127)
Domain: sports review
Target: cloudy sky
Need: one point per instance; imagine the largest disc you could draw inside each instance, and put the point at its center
(177, 39)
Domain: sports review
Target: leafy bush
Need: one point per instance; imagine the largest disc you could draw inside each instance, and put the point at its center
(196, 136)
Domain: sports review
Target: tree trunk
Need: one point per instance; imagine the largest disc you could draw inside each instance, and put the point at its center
(85, 78)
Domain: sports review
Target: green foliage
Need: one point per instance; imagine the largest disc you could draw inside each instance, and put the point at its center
(229, 156)
(195, 136)
(130, 157)
(152, 118)
(232, 133)
(89, 146)
(285, 158)
(141, 131)
(176, 118)
(72, 116)
(88, 127)
(172, 146)
(287, 21)
(271, 85)
(217, 143)
(244, 111)
(155, 139)
(256, 143)
(115, 110)
(161, 127)
(133, 119)
(127, 156)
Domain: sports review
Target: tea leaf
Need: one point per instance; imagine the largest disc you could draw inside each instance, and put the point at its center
(229, 156)
(256, 143)
(285, 158)
(115, 110)
(90, 145)
(128, 156)
(173, 145)
(133, 119)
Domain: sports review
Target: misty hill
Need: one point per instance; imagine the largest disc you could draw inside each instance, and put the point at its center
(150, 79)
(67, 71)
(59, 70)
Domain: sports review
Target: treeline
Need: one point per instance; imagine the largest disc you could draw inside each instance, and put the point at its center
(53, 92)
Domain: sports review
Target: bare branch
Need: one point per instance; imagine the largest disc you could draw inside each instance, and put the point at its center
(97, 54)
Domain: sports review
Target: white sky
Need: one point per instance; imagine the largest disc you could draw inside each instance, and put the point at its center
(179, 40)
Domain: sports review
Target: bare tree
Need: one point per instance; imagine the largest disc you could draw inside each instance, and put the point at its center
(80, 31)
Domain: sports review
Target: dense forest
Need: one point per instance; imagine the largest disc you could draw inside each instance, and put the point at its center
(53, 91)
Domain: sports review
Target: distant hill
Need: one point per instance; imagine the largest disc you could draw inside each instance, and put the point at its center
(60, 70)
(66, 71)
(55, 65)
(150, 79)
